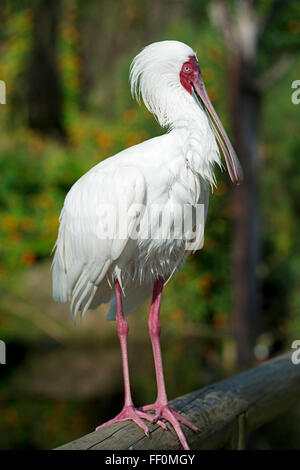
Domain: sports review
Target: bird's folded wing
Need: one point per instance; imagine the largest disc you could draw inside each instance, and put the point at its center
(99, 215)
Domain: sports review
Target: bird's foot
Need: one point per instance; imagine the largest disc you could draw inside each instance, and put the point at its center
(130, 412)
(165, 412)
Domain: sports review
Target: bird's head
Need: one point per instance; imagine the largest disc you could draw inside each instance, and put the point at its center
(167, 76)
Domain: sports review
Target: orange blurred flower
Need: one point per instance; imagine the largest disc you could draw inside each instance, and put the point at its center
(207, 280)
(294, 26)
(104, 140)
(28, 258)
(213, 93)
(4, 320)
(220, 320)
(51, 223)
(133, 138)
(28, 15)
(36, 143)
(9, 223)
(177, 316)
(10, 415)
(70, 33)
(15, 237)
(45, 200)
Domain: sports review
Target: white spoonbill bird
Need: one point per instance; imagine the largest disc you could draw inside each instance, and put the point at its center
(94, 262)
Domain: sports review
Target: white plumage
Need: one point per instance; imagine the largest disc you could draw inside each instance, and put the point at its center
(168, 171)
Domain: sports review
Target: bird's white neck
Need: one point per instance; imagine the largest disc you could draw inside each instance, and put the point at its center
(196, 141)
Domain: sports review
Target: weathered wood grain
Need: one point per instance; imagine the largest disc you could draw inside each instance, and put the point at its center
(243, 402)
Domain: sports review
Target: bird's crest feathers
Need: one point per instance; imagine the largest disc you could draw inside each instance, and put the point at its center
(154, 77)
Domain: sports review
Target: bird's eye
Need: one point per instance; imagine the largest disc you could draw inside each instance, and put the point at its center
(187, 68)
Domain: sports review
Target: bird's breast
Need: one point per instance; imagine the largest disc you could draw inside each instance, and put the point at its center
(169, 214)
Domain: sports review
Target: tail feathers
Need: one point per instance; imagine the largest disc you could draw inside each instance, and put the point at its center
(132, 299)
(86, 288)
(89, 292)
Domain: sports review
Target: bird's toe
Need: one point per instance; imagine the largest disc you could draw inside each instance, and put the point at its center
(128, 413)
(152, 419)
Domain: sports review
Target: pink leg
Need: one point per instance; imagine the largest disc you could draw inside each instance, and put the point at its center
(128, 411)
(161, 404)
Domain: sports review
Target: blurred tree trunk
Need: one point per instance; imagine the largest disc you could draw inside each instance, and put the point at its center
(242, 33)
(44, 91)
(245, 113)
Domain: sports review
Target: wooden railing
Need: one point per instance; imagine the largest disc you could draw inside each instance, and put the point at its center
(224, 412)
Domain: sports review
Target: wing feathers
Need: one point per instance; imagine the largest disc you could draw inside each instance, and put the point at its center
(83, 257)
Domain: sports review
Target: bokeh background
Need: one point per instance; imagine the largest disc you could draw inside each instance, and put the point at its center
(68, 106)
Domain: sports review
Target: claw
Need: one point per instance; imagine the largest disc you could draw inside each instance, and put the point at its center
(174, 418)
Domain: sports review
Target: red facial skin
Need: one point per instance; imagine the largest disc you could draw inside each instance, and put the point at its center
(192, 75)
